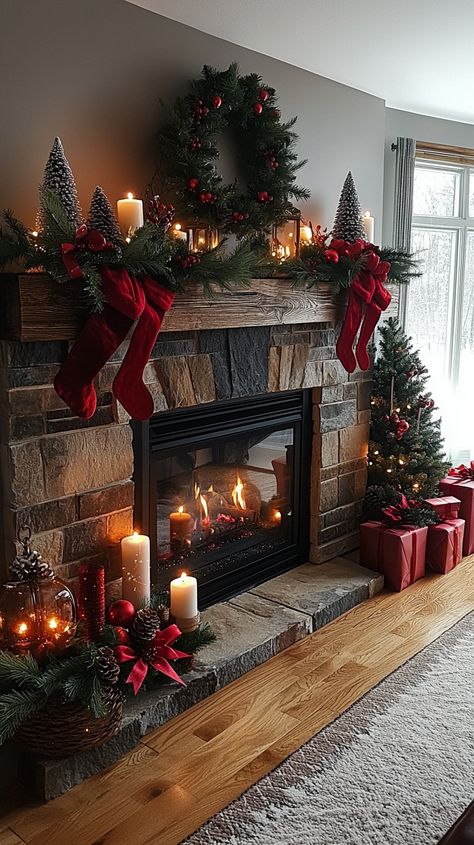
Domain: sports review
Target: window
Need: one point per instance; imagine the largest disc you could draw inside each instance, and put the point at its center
(440, 305)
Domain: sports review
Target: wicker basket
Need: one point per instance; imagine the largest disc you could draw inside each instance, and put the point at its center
(62, 729)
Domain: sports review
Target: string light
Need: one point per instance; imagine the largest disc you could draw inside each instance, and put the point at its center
(376, 452)
(401, 461)
(389, 470)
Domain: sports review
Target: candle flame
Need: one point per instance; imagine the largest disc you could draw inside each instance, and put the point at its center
(367, 214)
(180, 509)
(210, 489)
(135, 535)
(204, 507)
(237, 494)
(197, 490)
(130, 195)
(183, 577)
(177, 227)
(22, 628)
(53, 623)
(277, 516)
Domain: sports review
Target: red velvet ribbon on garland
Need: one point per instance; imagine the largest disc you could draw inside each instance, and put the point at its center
(85, 238)
(157, 654)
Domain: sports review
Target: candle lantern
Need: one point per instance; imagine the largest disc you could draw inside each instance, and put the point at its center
(202, 239)
(37, 609)
(285, 238)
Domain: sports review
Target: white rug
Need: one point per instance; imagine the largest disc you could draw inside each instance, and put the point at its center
(395, 769)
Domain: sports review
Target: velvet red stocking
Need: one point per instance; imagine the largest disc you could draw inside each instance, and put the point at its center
(128, 386)
(360, 292)
(99, 338)
(380, 301)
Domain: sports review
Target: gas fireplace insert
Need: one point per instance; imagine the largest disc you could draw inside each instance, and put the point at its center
(223, 490)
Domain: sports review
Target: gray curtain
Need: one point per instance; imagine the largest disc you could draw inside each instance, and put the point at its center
(403, 206)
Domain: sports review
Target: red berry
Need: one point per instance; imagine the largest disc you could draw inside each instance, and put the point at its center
(263, 94)
(258, 108)
(331, 256)
(262, 196)
(203, 196)
(217, 101)
(209, 197)
(204, 110)
(193, 183)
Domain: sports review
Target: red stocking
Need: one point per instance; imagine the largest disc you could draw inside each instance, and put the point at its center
(380, 301)
(99, 338)
(128, 385)
(361, 291)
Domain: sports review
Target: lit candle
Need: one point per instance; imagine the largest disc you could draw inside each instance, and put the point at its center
(129, 214)
(277, 517)
(306, 233)
(368, 223)
(184, 597)
(22, 629)
(178, 232)
(181, 527)
(136, 568)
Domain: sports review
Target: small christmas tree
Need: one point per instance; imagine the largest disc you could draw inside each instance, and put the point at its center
(102, 217)
(406, 446)
(348, 221)
(58, 177)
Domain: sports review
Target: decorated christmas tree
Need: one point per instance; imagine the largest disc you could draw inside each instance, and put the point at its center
(406, 447)
(58, 177)
(348, 221)
(102, 217)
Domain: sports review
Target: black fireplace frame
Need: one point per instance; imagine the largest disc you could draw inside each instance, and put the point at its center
(169, 430)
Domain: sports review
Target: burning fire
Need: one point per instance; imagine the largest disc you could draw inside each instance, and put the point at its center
(205, 509)
(237, 494)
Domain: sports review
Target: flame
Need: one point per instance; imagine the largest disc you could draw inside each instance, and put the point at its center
(205, 509)
(53, 623)
(237, 494)
(180, 509)
(130, 195)
(210, 489)
(183, 577)
(197, 490)
(22, 628)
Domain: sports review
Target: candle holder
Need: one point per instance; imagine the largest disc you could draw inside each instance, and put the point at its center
(187, 626)
(202, 239)
(37, 609)
(285, 238)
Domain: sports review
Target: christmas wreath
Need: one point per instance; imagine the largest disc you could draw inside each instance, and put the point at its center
(218, 102)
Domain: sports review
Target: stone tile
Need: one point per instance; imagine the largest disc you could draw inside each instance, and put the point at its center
(84, 460)
(353, 442)
(248, 355)
(329, 448)
(322, 353)
(216, 344)
(323, 591)
(29, 376)
(326, 535)
(349, 390)
(328, 495)
(159, 398)
(364, 395)
(360, 375)
(332, 394)
(273, 369)
(103, 416)
(105, 500)
(202, 377)
(286, 358)
(340, 514)
(333, 373)
(84, 538)
(22, 354)
(50, 545)
(26, 485)
(323, 337)
(338, 415)
(24, 401)
(298, 365)
(313, 374)
(321, 554)
(21, 428)
(328, 472)
(249, 631)
(175, 380)
(45, 516)
(346, 492)
(119, 525)
(165, 348)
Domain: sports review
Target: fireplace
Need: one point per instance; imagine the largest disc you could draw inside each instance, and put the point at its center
(223, 490)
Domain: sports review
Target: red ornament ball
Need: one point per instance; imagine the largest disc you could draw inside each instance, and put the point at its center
(193, 183)
(122, 635)
(331, 256)
(217, 101)
(257, 108)
(121, 612)
(263, 95)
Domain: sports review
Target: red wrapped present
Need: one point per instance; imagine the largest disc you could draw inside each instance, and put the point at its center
(399, 553)
(444, 545)
(447, 507)
(460, 483)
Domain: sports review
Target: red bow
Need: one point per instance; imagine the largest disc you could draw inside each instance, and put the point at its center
(395, 513)
(85, 238)
(462, 471)
(157, 654)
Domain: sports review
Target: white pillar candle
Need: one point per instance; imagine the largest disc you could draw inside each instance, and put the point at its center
(129, 214)
(178, 232)
(184, 597)
(368, 223)
(136, 568)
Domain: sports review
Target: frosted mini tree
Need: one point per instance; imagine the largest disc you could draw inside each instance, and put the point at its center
(348, 221)
(102, 217)
(58, 177)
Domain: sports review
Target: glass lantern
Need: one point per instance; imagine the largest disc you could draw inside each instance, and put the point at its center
(36, 607)
(202, 239)
(285, 239)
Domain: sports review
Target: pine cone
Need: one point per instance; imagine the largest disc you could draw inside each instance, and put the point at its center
(163, 612)
(145, 625)
(29, 567)
(106, 665)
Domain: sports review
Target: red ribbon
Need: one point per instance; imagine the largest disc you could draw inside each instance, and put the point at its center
(462, 471)
(85, 238)
(412, 529)
(395, 513)
(157, 654)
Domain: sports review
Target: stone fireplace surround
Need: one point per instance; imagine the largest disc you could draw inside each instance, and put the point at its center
(71, 481)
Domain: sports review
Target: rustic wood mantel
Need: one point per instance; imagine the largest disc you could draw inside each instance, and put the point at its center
(34, 307)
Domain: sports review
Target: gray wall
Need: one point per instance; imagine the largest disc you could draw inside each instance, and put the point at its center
(93, 73)
(405, 124)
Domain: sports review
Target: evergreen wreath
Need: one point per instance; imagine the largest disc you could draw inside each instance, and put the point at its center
(217, 102)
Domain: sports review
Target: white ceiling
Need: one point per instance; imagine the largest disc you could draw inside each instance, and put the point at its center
(415, 54)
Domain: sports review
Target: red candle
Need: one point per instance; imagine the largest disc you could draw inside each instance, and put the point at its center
(91, 600)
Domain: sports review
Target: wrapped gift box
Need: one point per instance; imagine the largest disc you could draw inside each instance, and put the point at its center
(447, 507)
(399, 553)
(444, 545)
(463, 489)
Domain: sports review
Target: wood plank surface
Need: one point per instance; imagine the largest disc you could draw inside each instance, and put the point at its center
(33, 307)
(192, 767)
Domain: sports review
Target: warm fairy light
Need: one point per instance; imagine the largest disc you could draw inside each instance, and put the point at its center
(416, 486)
(237, 496)
(34, 233)
(389, 470)
(130, 195)
(53, 623)
(204, 507)
(306, 233)
(397, 410)
(401, 461)
(376, 452)
(127, 240)
(177, 227)
(408, 406)
(372, 402)
(22, 628)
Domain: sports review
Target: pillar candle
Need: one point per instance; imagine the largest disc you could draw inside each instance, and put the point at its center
(368, 223)
(136, 568)
(129, 214)
(181, 527)
(184, 597)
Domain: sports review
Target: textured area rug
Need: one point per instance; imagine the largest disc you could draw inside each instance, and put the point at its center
(395, 769)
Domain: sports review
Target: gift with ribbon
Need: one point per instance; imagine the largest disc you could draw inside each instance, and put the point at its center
(398, 552)
(447, 507)
(444, 545)
(460, 483)
(157, 653)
